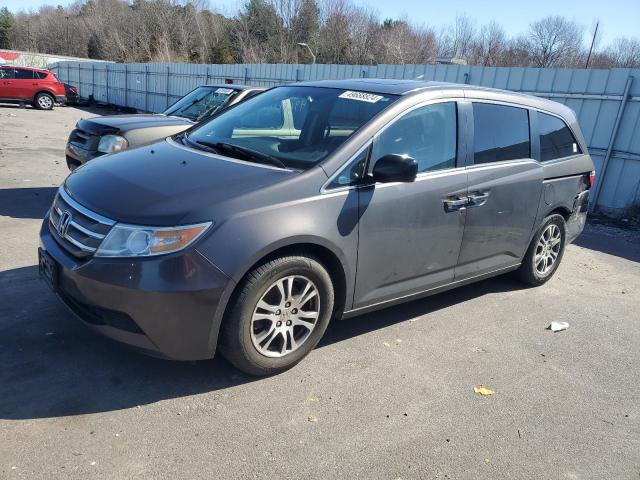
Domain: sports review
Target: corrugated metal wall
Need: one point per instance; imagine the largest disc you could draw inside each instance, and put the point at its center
(597, 96)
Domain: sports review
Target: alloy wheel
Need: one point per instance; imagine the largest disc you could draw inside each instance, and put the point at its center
(547, 250)
(45, 102)
(285, 316)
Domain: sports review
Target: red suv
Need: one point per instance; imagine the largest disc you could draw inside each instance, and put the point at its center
(38, 87)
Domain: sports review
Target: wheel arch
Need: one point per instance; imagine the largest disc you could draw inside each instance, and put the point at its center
(327, 255)
(48, 92)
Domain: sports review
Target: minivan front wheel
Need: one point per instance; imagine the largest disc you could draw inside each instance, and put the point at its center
(278, 316)
(44, 101)
(545, 252)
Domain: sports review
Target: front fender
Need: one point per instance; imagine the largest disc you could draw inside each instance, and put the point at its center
(237, 244)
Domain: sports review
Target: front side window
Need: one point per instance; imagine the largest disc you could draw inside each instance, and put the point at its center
(556, 140)
(201, 102)
(294, 126)
(22, 74)
(500, 133)
(7, 73)
(427, 134)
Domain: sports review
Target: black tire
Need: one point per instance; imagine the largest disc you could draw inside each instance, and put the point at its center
(236, 335)
(43, 101)
(529, 272)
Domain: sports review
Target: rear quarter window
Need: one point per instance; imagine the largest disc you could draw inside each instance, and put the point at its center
(556, 139)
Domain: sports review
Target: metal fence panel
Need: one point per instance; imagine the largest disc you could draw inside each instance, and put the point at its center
(595, 95)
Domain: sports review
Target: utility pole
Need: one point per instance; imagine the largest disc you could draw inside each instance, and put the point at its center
(133, 31)
(68, 46)
(28, 37)
(593, 41)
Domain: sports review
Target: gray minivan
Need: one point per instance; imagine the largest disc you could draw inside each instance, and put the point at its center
(249, 233)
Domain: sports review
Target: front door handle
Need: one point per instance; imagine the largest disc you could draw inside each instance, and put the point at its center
(477, 199)
(452, 204)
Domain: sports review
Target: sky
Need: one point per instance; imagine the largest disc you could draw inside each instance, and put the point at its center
(617, 17)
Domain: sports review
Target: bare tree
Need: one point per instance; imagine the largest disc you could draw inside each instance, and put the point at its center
(457, 39)
(489, 46)
(269, 31)
(554, 41)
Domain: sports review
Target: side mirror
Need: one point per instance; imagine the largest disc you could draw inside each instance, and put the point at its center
(395, 168)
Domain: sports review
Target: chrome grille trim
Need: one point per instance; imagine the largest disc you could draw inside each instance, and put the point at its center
(84, 211)
(86, 231)
(70, 238)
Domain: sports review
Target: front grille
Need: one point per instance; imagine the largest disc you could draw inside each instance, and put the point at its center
(85, 139)
(82, 231)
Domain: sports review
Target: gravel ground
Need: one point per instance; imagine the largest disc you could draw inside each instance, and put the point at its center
(386, 395)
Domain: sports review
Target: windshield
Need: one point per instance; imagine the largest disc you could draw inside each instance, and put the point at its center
(297, 127)
(201, 102)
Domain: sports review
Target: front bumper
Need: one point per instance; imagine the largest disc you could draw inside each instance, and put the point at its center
(162, 305)
(77, 155)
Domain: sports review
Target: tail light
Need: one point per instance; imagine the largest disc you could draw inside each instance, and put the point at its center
(592, 179)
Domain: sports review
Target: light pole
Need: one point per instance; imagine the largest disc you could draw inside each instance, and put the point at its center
(306, 45)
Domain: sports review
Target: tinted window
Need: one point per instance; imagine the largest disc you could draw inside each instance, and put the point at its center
(24, 74)
(500, 133)
(352, 173)
(427, 134)
(556, 140)
(7, 73)
(40, 75)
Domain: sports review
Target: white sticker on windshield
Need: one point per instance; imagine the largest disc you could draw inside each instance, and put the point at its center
(361, 96)
(225, 91)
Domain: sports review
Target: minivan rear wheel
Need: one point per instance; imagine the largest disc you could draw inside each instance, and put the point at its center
(278, 316)
(44, 101)
(545, 252)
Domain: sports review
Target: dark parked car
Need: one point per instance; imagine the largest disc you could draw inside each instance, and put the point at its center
(249, 233)
(72, 94)
(97, 136)
(34, 86)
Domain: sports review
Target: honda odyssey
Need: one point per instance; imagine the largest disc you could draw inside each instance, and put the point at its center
(249, 233)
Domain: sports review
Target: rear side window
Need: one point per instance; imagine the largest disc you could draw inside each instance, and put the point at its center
(428, 134)
(500, 133)
(556, 140)
(40, 75)
(24, 74)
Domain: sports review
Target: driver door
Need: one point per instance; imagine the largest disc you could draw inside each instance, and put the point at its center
(410, 233)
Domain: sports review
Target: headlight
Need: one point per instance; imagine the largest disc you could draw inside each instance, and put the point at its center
(112, 143)
(136, 241)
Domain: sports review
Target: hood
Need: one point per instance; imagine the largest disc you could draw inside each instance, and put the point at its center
(123, 123)
(160, 184)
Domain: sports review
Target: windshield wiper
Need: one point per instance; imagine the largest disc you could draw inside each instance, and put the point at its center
(244, 152)
(201, 146)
